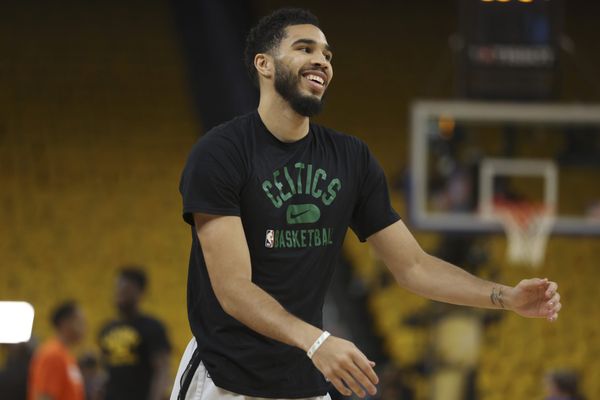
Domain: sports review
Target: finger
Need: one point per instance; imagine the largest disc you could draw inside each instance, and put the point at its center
(533, 283)
(365, 381)
(551, 289)
(557, 308)
(340, 387)
(554, 300)
(366, 368)
(553, 318)
(351, 383)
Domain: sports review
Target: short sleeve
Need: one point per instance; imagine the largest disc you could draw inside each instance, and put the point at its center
(157, 338)
(51, 377)
(212, 178)
(373, 210)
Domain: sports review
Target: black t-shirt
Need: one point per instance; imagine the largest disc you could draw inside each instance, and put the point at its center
(127, 350)
(296, 201)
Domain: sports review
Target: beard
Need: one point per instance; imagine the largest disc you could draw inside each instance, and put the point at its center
(287, 85)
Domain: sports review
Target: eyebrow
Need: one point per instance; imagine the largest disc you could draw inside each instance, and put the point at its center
(312, 42)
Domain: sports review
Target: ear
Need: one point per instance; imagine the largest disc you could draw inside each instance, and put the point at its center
(264, 65)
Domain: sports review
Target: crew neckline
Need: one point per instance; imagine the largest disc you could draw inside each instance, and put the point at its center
(278, 142)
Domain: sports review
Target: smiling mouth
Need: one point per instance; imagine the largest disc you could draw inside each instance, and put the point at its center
(315, 80)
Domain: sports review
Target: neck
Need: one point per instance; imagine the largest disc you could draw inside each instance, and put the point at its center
(128, 313)
(64, 339)
(281, 120)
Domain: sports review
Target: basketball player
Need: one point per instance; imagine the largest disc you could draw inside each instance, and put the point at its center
(269, 196)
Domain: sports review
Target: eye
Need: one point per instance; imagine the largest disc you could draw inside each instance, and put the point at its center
(328, 56)
(305, 49)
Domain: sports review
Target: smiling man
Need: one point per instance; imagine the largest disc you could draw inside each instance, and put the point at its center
(269, 196)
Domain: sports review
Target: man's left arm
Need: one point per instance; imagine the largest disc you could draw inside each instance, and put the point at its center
(159, 352)
(160, 375)
(430, 277)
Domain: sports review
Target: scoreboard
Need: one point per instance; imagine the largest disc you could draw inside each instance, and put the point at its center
(509, 49)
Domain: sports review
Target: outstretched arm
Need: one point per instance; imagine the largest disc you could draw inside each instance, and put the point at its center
(438, 280)
(227, 259)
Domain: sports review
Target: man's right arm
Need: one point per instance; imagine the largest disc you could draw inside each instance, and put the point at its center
(227, 259)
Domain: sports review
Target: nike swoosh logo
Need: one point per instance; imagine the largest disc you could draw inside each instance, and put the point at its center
(302, 214)
(294, 216)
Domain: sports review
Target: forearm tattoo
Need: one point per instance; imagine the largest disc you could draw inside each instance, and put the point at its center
(496, 297)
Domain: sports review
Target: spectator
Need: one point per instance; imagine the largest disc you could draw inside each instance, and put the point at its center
(135, 346)
(54, 374)
(13, 377)
(94, 378)
(563, 385)
(394, 384)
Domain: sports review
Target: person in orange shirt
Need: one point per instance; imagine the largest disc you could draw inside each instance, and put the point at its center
(53, 373)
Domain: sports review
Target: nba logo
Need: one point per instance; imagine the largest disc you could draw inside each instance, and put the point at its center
(270, 239)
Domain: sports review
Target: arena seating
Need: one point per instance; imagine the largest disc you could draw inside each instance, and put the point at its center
(515, 352)
(94, 132)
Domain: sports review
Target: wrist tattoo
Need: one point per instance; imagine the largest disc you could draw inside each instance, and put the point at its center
(497, 297)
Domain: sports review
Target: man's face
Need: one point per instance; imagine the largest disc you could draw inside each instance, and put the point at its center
(75, 327)
(303, 68)
(127, 294)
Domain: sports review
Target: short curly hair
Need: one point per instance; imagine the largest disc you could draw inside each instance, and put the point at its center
(270, 30)
(134, 274)
(63, 312)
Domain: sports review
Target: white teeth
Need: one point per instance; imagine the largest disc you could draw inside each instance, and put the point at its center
(315, 78)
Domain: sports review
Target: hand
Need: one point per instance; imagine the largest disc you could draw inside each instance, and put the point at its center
(536, 298)
(346, 367)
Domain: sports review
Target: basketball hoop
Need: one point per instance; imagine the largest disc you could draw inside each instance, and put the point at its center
(527, 226)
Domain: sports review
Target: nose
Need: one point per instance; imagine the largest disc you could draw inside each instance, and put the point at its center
(319, 59)
(323, 66)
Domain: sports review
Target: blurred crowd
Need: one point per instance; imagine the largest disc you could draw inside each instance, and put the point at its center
(134, 356)
(133, 362)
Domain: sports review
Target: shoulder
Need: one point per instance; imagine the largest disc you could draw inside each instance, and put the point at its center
(150, 322)
(51, 352)
(230, 135)
(154, 332)
(234, 127)
(340, 139)
(107, 326)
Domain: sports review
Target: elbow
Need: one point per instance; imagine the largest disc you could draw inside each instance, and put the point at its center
(228, 307)
(410, 268)
(227, 298)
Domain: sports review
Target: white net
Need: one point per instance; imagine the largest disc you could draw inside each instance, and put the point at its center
(527, 229)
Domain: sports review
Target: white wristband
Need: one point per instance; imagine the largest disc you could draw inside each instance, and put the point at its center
(317, 344)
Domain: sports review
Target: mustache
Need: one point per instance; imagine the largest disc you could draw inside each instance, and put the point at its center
(313, 68)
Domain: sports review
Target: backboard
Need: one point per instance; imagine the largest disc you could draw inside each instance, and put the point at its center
(547, 153)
